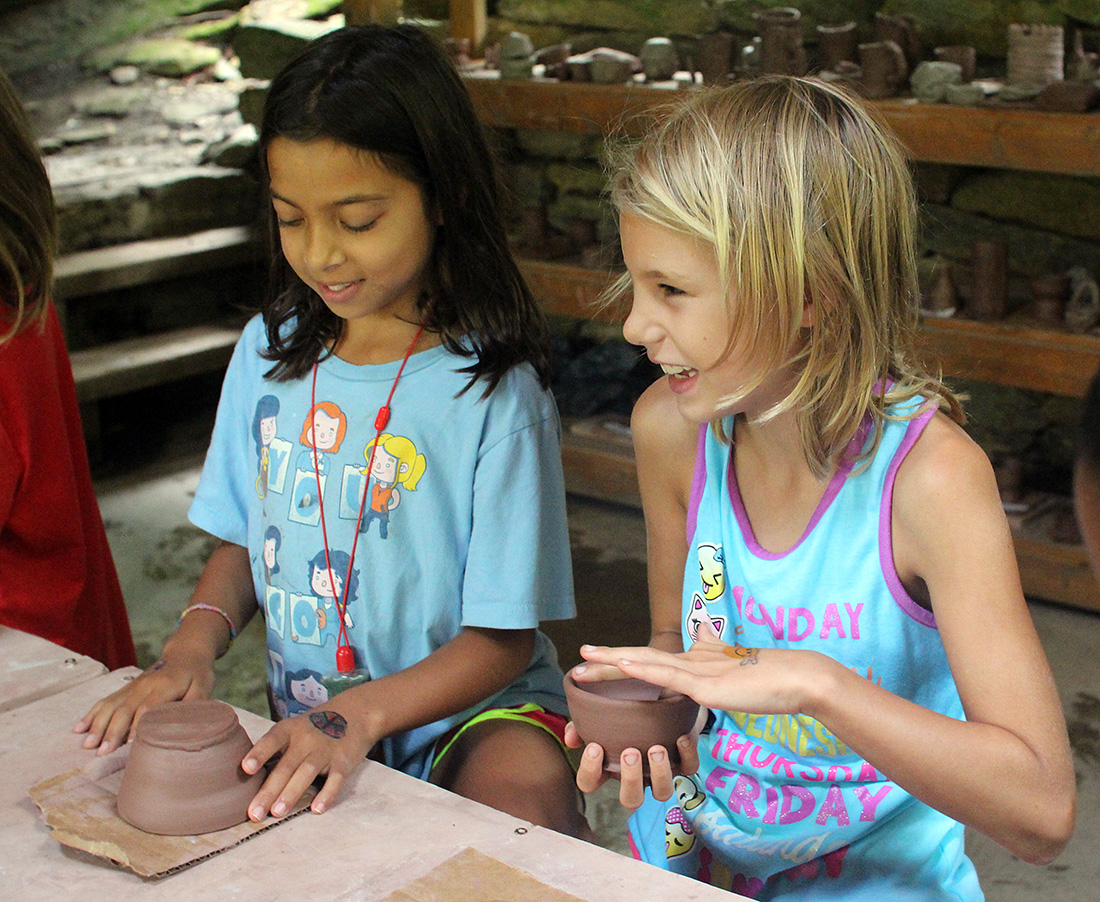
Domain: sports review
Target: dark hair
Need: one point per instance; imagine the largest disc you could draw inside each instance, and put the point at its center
(28, 226)
(393, 92)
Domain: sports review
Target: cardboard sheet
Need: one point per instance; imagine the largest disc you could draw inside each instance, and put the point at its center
(79, 808)
(473, 876)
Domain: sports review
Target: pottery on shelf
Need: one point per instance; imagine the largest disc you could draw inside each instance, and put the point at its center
(1036, 54)
(930, 79)
(1050, 293)
(837, 44)
(781, 49)
(989, 289)
(885, 69)
(902, 30)
(184, 775)
(660, 61)
(965, 57)
(622, 714)
(714, 57)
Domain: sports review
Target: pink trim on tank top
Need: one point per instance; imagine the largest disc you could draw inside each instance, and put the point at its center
(836, 483)
(698, 480)
(904, 601)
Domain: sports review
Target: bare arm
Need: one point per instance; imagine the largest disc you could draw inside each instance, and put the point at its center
(186, 666)
(474, 665)
(1006, 770)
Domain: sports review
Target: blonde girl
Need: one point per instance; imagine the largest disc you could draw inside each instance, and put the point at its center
(873, 676)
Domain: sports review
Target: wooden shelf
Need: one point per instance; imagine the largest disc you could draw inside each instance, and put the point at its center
(995, 136)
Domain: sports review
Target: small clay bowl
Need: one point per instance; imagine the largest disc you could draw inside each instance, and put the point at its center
(184, 773)
(623, 714)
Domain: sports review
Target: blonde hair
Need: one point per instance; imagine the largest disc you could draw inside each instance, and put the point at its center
(404, 451)
(804, 197)
(28, 226)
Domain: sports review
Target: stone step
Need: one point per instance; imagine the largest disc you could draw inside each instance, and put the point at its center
(86, 273)
(124, 366)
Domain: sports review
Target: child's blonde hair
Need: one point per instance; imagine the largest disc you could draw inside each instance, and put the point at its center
(804, 198)
(28, 227)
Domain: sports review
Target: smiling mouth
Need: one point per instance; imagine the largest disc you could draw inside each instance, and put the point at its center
(683, 371)
(340, 286)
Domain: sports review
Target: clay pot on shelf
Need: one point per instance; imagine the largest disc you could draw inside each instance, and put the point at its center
(1050, 293)
(942, 298)
(902, 30)
(184, 776)
(1036, 54)
(781, 48)
(714, 57)
(660, 61)
(989, 288)
(837, 44)
(622, 714)
(965, 57)
(885, 69)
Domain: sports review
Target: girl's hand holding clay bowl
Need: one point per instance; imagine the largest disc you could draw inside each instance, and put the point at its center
(628, 713)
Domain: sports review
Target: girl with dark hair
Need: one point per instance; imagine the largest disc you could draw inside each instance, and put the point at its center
(394, 293)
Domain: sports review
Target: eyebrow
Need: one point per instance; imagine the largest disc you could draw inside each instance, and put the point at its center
(342, 202)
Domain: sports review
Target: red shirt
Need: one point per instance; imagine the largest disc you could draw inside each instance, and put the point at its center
(57, 577)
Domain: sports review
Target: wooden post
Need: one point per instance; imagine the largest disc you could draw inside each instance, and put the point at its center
(468, 20)
(367, 12)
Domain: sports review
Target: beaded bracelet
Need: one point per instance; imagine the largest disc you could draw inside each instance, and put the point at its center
(216, 610)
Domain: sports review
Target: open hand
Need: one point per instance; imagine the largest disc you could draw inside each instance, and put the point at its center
(321, 741)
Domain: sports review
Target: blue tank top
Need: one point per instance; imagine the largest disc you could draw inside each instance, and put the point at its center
(780, 807)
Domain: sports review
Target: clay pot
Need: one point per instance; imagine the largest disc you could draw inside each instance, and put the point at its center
(622, 714)
(837, 44)
(885, 69)
(660, 61)
(781, 50)
(714, 57)
(942, 298)
(965, 57)
(902, 30)
(184, 773)
(1036, 54)
(1050, 293)
(989, 290)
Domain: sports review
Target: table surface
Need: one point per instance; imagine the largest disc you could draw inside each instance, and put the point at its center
(386, 830)
(32, 668)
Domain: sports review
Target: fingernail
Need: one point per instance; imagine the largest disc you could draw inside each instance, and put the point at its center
(257, 813)
(317, 807)
(593, 751)
(657, 755)
(579, 669)
(587, 647)
(279, 808)
(684, 742)
(631, 758)
(626, 662)
(249, 766)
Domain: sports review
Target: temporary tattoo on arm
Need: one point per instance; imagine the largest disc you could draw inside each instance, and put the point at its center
(333, 725)
(742, 654)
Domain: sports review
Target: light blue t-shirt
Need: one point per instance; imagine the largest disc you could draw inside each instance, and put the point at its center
(781, 808)
(463, 524)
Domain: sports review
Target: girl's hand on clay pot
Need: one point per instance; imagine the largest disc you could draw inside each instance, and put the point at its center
(185, 675)
(632, 781)
(722, 676)
(321, 741)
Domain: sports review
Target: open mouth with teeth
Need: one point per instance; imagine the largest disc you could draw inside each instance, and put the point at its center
(681, 371)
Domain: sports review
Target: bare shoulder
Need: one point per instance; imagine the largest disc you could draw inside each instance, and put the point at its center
(945, 462)
(658, 426)
(948, 521)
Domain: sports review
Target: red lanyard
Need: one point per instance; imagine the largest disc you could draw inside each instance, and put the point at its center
(345, 658)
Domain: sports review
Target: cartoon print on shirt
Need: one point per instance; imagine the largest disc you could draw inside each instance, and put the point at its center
(322, 434)
(304, 691)
(712, 578)
(396, 462)
(712, 571)
(679, 835)
(272, 452)
(326, 579)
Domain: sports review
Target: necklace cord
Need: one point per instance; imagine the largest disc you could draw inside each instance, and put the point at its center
(344, 660)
